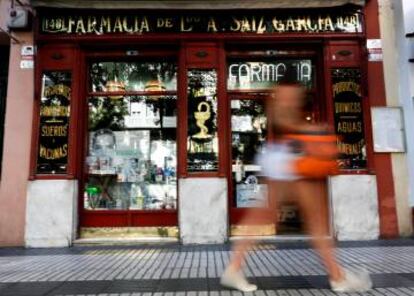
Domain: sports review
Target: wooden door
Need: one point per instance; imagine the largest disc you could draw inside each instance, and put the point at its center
(251, 73)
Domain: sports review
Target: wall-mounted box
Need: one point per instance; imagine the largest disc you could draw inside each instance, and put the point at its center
(388, 129)
(19, 19)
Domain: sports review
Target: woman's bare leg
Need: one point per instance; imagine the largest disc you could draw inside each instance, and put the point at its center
(232, 276)
(252, 217)
(241, 247)
(311, 195)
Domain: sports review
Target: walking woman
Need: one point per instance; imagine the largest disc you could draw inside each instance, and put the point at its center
(297, 162)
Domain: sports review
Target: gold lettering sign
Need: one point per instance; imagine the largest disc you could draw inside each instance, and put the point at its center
(54, 131)
(351, 149)
(54, 111)
(347, 86)
(349, 127)
(53, 154)
(57, 90)
(348, 114)
(278, 22)
(354, 107)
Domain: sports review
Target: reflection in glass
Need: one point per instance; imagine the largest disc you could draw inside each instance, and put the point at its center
(202, 139)
(54, 114)
(249, 134)
(265, 74)
(133, 76)
(132, 155)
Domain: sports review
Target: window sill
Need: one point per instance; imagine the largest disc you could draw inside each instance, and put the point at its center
(52, 177)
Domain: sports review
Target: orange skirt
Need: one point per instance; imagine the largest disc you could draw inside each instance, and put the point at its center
(317, 154)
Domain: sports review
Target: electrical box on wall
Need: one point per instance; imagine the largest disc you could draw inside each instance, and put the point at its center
(27, 50)
(18, 19)
(388, 129)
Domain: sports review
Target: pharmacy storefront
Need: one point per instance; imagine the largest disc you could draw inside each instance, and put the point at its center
(149, 120)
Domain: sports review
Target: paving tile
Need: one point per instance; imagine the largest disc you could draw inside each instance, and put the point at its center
(214, 284)
(183, 285)
(286, 282)
(131, 286)
(81, 287)
(278, 269)
(34, 289)
(4, 287)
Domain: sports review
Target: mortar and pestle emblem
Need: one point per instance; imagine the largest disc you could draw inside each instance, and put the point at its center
(201, 118)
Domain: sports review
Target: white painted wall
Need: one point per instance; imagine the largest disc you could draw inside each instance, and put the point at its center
(395, 64)
(354, 202)
(203, 210)
(405, 17)
(51, 214)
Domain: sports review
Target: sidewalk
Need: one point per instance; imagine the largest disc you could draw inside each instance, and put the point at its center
(174, 270)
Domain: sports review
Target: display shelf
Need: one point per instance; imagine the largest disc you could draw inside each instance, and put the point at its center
(247, 132)
(247, 168)
(170, 183)
(148, 128)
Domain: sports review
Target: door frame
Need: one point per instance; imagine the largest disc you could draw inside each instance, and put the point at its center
(311, 50)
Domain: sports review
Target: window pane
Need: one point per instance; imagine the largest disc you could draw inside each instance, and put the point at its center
(265, 74)
(202, 139)
(249, 134)
(133, 76)
(132, 155)
(53, 144)
(349, 123)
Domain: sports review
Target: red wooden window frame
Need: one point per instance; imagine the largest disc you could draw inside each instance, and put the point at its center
(212, 57)
(56, 58)
(356, 60)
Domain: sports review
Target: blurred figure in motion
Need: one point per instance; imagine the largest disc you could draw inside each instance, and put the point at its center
(297, 163)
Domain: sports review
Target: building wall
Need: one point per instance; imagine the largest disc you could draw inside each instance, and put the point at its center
(354, 201)
(53, 225)
(404, 13)
(397, 73)
(202, 201)
(382, 161)
(4, 12)
(17, 145)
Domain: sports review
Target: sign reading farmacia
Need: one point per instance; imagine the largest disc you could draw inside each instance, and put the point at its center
(257, 23)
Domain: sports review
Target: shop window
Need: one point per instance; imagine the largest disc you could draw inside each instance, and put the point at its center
(248, 134)
(202, 138)
(133, 76)
(53, 141)
(348, 115)
(132, 154)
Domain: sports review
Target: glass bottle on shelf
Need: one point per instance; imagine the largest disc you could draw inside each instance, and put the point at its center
(239, 170)
(159, 175)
